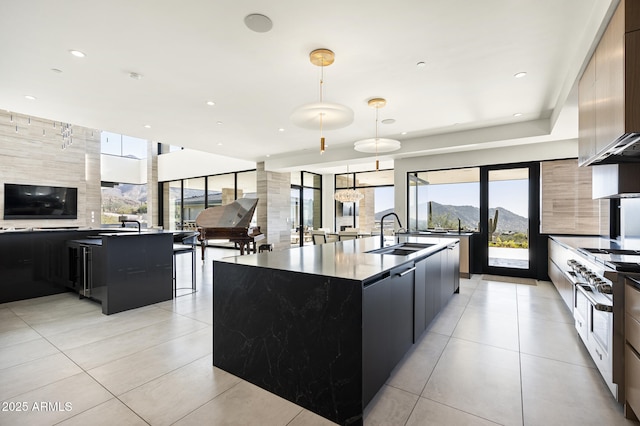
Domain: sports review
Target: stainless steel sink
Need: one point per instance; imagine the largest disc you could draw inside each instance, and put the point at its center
(402, 249)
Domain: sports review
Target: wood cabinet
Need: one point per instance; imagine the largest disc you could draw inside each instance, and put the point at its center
(609, 90)
(632, 349)
(558, 257)
(567, 206)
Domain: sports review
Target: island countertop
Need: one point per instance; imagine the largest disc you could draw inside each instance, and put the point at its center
(345, 259)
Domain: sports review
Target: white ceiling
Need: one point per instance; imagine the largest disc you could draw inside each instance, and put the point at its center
(192, 51)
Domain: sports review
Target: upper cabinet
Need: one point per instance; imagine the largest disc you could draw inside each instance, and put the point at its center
(609, 91)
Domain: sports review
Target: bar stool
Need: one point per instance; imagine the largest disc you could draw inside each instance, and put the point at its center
(183, 243)
(265, 247)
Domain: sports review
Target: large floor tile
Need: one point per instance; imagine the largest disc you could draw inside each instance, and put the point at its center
(445, 322)
(555, 392)
(18, 335)
(112, 412)
(502, 301)
(134, 370)
(465, 373)
(490, 328)
(58, 401)
(412, 373)
(57, 307)
(25, 352)
(544, 308)
(102, 327)
(542, 289)
(553, 340)
(427, 412)
(307, 418)
(172, 396)
(243, 404)
(390, 406)
(30, 375)
(101, 352)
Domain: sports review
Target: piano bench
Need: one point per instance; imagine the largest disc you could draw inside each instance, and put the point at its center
(265, 247)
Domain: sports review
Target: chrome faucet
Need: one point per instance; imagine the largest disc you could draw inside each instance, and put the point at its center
(131, 221)
(382, 226)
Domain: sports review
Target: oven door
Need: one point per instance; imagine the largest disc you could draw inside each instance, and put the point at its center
(581, 310)
(599, 340)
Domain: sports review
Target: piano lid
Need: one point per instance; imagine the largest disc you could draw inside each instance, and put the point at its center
(235, 215)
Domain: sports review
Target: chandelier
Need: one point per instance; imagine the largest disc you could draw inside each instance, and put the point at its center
(349, 195)
(323, 115)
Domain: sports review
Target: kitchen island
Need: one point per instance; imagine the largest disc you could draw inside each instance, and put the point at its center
(323, 326)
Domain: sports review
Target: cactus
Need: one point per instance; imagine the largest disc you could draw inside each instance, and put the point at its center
(493, 224)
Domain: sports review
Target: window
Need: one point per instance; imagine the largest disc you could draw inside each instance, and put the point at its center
(437, 199)
(123, 199)
(123, 145)
(377, 188)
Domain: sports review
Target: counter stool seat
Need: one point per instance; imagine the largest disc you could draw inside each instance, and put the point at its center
(184, 243)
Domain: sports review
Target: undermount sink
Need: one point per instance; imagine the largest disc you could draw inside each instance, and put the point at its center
(402, 249)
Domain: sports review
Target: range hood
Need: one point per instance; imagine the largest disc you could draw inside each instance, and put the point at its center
(625, 149)
(620, 180)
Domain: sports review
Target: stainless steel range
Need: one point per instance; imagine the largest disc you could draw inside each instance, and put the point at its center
(598, 307)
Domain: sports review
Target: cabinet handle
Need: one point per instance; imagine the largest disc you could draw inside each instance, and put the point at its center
(402, 274)
(599, 354)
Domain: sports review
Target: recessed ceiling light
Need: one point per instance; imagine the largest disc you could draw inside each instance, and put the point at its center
(258, 23)
(31, 98)
(219, 123)
(421, 64)
(517, 114)
(520, 74)
(388, 121)
(211, 103)
(219, 143)
(147, 126)
(135, 76)
(77, 53)
(403, 133)
(281, 129)
(268, 155)
(56, 70)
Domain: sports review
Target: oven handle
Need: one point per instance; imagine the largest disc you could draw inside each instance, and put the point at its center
(596, 305)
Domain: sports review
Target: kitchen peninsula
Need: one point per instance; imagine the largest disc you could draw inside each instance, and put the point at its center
(119, 268)
(323, 326)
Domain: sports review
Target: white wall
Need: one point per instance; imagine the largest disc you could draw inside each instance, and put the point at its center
(188, 163)
(123, 169)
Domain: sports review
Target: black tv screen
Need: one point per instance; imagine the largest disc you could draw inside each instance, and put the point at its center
(40, 202)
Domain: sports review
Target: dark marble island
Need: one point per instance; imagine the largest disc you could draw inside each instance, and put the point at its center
(323, 326)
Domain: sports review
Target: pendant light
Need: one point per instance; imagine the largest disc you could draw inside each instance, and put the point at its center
(322, 115)
(377, 144)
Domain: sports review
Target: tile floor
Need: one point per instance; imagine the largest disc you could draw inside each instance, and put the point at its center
(499, 353)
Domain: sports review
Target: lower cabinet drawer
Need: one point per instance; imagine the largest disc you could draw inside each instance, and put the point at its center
(632, 330)
(632, 377)
(632, 301)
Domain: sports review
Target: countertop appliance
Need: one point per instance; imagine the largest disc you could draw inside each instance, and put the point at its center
(598, 275)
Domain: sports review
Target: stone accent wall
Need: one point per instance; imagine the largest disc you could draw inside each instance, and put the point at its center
(273, 210)
(33, 155)
(367, 212)
(229, 195)
(152, 184)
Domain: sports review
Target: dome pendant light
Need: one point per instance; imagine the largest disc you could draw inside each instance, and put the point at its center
(326, 115)
(377, 144)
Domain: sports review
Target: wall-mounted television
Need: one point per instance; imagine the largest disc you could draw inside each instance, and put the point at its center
(40, 202)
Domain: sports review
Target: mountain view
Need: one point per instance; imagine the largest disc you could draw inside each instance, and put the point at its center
(446, 216)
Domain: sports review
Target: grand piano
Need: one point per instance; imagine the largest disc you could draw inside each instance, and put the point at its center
(230, 222)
